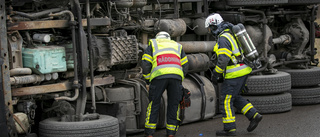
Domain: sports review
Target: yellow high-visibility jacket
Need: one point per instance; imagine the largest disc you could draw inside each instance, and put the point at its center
(164, 57)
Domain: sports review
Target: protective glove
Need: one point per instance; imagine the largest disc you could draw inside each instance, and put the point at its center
(186, 101)
(216, 78)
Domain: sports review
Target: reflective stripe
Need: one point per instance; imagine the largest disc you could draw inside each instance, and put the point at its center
(216, 47)
(218, 69)
(166, 66)
(246, 108)
(172, 127)
(224, 50)
(229, 120)
(170, 53)
(236, 69)
(184, 60)
(254, 116)
(147, 57)
(151, 126)
(235, 49)
(147, 124)
(156, 48)
(178, 113)
(147, 76)
(179, 47)
(227, 107)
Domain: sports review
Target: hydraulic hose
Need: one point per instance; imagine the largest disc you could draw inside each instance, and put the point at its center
(38, 14)
(73, 34)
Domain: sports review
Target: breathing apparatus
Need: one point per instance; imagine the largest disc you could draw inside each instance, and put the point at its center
(250, 55)
(246, 44)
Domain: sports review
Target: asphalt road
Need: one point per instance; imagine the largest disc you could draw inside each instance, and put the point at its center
(301, 121)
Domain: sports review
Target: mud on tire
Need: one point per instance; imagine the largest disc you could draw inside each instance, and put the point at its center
(105, 126)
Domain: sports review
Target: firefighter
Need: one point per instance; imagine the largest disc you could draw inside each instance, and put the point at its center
(232, 73)
(164, 65)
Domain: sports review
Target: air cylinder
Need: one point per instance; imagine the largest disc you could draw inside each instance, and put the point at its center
(245, 42)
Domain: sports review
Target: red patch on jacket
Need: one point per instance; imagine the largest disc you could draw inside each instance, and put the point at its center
(166, 59)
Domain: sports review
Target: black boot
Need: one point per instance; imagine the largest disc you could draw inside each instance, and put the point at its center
(226, 133)
(254, 122)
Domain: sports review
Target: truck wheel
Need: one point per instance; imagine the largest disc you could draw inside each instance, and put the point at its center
(105, 126)
(305, 96)
(268, 84)
(304, 77)
(272, 103)
(255, 2)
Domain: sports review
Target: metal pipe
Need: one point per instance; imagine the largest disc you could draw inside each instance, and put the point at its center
(38, 14)
(29, 41)
(76, 95)
(283, 39)
(82, 50)
(290, 62)
(285, 12)
(89, 116)
(93, 93)
(197, 46)
(64, 12)
(57, 87)
(73, 35)
(20, 71)
(16, 80)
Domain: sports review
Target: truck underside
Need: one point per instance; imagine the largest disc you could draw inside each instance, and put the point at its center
(72, 68)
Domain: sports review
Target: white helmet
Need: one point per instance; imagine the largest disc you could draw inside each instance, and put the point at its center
(213, 19)
(163, 35)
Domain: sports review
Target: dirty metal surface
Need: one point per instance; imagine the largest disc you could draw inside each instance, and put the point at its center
(30, 25)
(58, 87)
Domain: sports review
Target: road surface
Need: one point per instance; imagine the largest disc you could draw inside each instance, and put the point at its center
(301, 121)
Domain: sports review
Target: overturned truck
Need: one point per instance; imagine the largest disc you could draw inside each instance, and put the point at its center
(72, 67)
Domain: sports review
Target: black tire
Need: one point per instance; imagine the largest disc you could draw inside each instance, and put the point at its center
(268, 84)
(105, 126)
(255, 2)
(305, 96)
(304, 77)
(272, 103)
